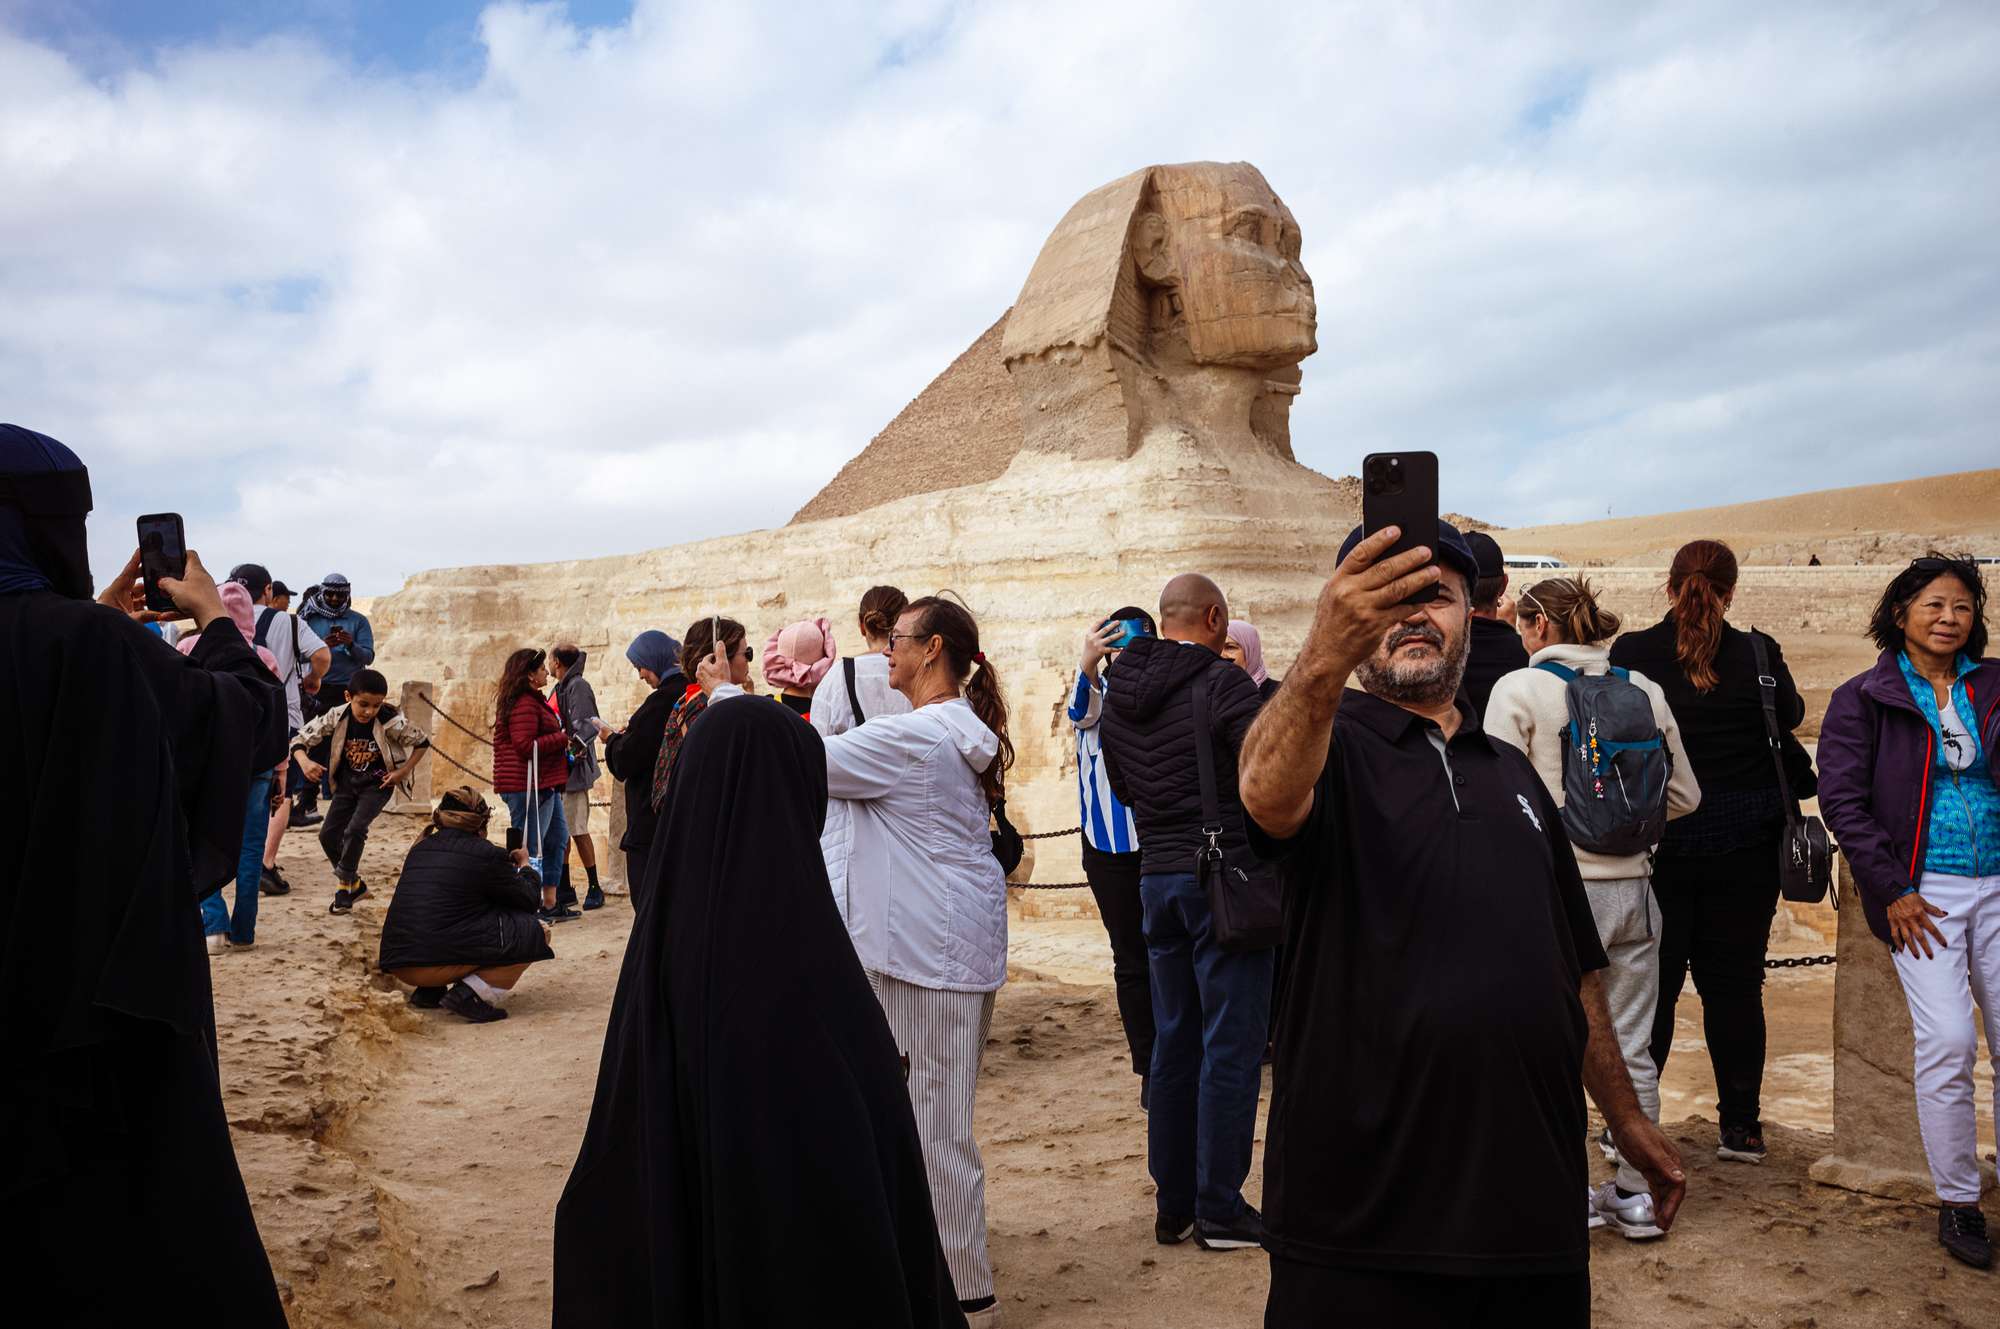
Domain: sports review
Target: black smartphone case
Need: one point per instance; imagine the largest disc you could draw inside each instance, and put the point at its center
(1409, 501)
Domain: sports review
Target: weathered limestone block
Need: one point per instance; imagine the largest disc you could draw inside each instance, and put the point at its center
(1877, 1148)
(613, 871)
(412, 702)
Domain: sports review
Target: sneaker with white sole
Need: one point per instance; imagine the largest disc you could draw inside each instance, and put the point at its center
(1590, 1209)
(1245, 1232)
(1606, 1147)
(216, 943)
(1741, 1144)
(1631, 1216)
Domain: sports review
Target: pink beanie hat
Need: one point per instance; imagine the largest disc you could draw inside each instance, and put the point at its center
(799, 656)
(243, 613)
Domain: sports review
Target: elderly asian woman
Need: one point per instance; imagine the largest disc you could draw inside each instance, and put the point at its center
(1909, 758)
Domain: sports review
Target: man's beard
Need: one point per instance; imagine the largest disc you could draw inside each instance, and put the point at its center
(1429, 682)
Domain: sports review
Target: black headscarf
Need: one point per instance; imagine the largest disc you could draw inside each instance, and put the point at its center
(44, 497)
(128, 766)
(751, 1157)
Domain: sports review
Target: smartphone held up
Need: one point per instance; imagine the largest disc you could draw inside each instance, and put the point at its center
(1401, 489)
(162, 553)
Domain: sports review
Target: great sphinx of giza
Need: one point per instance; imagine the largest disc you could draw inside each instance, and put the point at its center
(1127, 419)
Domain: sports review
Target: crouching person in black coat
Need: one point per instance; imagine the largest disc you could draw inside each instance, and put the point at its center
(462, 925)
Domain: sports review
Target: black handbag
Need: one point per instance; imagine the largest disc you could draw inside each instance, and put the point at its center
(1805, 854)
(1245, 898)
(1008, 846)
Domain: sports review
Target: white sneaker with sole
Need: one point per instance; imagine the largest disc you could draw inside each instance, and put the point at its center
(1590, 1208)
(1631, 1216)
(216, 942)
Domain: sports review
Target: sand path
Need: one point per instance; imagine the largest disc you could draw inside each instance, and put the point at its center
(405, 1166)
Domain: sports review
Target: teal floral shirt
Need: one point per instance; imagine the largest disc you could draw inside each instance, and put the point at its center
(1962, 836)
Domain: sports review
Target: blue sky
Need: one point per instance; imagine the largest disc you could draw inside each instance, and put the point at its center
(535, 268)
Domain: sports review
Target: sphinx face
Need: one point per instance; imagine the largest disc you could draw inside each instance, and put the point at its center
(1245, 297)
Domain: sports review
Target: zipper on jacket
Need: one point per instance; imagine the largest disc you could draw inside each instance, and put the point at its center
(1923, 806)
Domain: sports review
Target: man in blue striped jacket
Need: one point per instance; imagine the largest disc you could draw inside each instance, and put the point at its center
(1111, 838)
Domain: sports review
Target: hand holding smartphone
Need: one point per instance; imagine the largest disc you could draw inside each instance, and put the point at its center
(162, 553)
(1401, 489)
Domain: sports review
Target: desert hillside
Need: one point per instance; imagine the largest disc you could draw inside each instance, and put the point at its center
(1865, 524)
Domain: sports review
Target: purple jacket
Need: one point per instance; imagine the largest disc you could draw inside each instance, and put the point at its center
(1875, 764)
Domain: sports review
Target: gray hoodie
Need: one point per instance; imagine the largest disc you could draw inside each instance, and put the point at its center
(577, 705)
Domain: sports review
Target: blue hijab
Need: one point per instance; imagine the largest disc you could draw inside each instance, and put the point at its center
(44, 497)
(655, 650)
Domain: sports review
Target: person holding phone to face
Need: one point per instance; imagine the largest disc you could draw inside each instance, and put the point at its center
(113, 1110)
(699, 648)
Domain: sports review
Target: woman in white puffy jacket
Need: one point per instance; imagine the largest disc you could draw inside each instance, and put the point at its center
(1567, 631)
(926, 901)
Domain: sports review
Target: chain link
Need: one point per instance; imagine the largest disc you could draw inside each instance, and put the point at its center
(449, 719)
(1054, 835)
(1800, 961)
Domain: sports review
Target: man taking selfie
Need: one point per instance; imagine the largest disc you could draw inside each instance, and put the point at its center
(1442, 1006)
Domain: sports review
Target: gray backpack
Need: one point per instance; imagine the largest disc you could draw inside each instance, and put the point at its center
(1615, 764)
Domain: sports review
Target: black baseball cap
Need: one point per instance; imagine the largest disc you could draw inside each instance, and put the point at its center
(1486, 551)
(1451, 549)
(254, 577)
(279, 588)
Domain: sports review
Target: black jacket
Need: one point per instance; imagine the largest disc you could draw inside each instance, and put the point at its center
(1722, 729)
(1496, 650)
(630, 757)
(460, 900)
(1149, 737)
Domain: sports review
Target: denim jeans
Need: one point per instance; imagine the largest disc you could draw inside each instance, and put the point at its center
(242, 924)
(552, 833)
(1211, 1014)
(344, 833)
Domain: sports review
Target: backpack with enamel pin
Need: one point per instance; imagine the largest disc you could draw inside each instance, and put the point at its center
(1615, 763)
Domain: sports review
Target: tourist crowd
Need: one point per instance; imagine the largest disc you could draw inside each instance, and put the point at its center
(1447, 878)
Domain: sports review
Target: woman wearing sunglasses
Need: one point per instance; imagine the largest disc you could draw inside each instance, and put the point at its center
(1909, 757)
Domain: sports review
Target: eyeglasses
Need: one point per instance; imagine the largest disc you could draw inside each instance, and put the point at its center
(1933, 564)
(895, 637)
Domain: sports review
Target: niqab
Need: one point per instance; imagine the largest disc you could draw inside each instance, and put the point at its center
(132, 765)
(751, 1157)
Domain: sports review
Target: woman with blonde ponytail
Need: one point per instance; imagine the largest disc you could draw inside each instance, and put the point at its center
(1566, 631)
(926, 899)
(1716, 874)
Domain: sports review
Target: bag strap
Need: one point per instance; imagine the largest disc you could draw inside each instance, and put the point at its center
(1767, 690)
(1204, 760)
(1563, 672)
(853, 693)
(263, 637)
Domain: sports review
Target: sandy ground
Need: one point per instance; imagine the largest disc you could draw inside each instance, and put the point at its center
(404, 1166)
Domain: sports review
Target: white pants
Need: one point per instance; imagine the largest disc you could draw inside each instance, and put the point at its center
(1628, 925)
(1942, 991)
(943, 1035)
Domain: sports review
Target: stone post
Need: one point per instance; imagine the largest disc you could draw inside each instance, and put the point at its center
(1876, 1146)
(413, 704)
(614, 874)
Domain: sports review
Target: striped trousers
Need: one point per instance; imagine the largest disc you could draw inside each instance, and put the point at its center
(943, 1036)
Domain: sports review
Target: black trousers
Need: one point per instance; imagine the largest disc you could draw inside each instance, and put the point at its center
(1114, 881)
(1309, 1296)
(1715, 920)
(344, 833)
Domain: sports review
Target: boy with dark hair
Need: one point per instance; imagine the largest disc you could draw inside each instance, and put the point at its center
(372, 749)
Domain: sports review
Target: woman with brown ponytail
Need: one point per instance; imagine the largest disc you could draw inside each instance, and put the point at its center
(926, 899)
(1716, 876)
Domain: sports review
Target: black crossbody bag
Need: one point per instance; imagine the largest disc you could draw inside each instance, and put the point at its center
(1245, 899)
(1805, 854)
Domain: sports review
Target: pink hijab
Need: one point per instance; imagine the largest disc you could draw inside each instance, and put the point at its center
(1253, 650)
(243, 613)
(799, 656)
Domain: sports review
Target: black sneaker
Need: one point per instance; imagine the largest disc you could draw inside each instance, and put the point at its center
(343, 901)
(561, 913)
(273, 883)
(1962, 1231)
(1171, 1231)
(426, 999)
(593, 898)
(306, 817)
(468, 1005)
(1245, 1232)
(1742, 1144)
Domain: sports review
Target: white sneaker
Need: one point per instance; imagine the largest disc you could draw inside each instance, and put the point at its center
(1590, 1208)
(1630, 1215)
(986, 1319)
(216, 943)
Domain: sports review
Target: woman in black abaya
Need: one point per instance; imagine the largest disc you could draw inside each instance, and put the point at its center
(127, 767)
(751, 1158)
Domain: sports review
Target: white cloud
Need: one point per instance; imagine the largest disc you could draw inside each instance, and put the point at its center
(632, 285)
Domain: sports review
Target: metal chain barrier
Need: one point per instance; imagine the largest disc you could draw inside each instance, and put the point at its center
(1054, 835)
(454, 722)
(1800, 961)
(439, 752)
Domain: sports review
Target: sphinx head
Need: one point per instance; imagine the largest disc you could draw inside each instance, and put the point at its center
(1173, 297)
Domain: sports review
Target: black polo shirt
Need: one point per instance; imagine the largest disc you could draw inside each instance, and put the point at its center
(1427, 1103)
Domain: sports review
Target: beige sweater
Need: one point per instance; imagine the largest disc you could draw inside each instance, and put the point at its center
(1529, 708)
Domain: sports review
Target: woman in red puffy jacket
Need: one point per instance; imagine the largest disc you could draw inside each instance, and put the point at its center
(529, 741)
